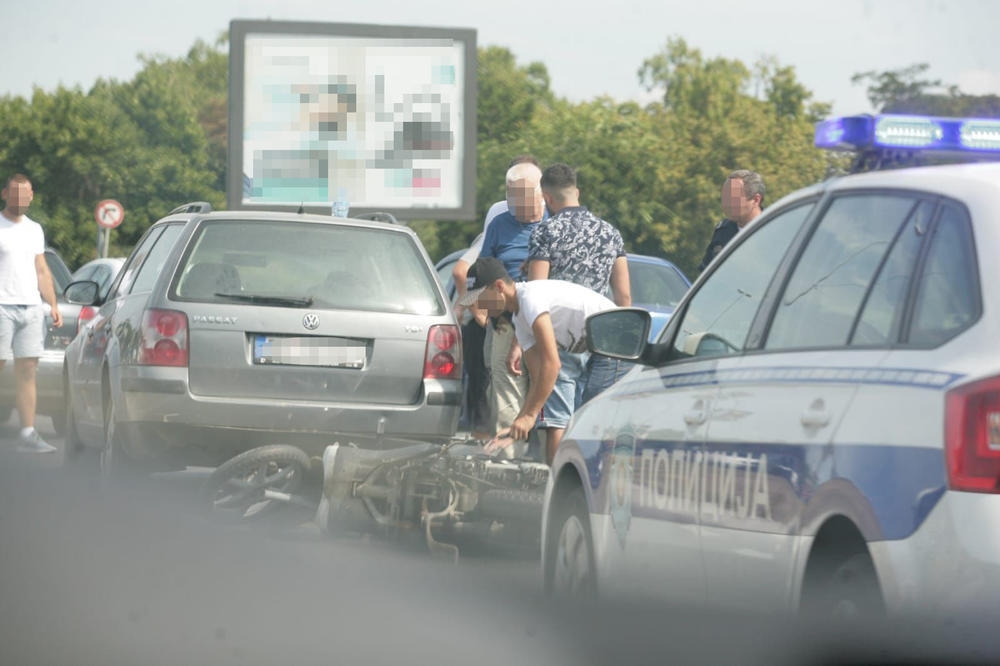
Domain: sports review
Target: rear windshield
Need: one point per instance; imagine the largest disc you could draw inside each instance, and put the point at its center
(307, 265)
(655, 284)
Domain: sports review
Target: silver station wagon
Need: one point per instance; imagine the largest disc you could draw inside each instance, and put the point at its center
(228, 330)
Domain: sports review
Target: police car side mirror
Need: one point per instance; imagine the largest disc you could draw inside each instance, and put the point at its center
(82, 292)
(620, 333)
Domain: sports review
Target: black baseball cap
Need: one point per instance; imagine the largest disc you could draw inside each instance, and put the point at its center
(483, 273)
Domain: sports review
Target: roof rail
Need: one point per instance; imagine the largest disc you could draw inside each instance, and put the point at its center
(193, 207)
(378, 216)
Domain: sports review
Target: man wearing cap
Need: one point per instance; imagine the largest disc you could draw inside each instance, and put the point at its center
(547, 316)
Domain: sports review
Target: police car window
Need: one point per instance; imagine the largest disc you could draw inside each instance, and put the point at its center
(948, 291)
(719, 316)
(884, 306)
(153, 265)
(822, 298)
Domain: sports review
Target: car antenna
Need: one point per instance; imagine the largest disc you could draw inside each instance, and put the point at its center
(301, 207)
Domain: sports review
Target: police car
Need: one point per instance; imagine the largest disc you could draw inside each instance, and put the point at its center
(818, 427)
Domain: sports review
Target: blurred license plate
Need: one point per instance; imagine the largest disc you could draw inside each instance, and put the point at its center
(324, 352)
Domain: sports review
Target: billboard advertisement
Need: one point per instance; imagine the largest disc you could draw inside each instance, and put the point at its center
(382, 118)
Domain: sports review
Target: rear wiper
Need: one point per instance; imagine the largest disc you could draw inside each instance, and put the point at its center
(292, 301)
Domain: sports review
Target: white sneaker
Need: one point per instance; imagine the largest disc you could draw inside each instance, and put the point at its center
(34, 443)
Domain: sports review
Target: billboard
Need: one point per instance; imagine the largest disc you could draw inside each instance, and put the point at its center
(382, 117)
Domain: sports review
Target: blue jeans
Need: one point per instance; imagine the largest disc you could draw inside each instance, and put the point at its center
(602, 372)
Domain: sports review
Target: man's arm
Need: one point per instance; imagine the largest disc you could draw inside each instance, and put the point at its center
(47, 288)
(543, 365)
(538, 269)
(621, 288)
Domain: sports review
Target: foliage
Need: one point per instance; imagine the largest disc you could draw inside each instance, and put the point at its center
(901, 91)
(148, 143)
(655, 170)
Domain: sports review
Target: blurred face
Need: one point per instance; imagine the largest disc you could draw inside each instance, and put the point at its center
(524, 199)
(18, 197)
(492, 300)
(735, 205)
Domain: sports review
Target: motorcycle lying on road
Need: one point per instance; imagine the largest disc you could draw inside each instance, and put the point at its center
(449, 496)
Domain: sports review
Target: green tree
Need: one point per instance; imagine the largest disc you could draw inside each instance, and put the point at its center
(903, 91)
(147, 143)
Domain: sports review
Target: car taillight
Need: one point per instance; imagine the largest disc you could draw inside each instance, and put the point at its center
(443, 359)
(86, 314)
(164, 339)
(972, 436)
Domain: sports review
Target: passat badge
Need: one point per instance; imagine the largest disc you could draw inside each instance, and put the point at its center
(311, 321)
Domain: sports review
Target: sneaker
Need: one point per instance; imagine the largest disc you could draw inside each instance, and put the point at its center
(34, 443)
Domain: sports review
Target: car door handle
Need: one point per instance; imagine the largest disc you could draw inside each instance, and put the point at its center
(816, 416)
(696, 416)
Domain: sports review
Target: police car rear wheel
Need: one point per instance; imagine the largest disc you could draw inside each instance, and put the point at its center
(572, 571)
(849, 593)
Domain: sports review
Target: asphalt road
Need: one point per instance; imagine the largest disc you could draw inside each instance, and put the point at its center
(140, 575)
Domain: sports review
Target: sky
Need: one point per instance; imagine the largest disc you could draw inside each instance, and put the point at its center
(589, 47)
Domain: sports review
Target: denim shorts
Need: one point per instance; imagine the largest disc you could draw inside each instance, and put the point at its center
(22, 331)
(567, 394)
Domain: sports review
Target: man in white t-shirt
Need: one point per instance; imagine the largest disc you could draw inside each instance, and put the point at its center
(24, 279)
(548, 315)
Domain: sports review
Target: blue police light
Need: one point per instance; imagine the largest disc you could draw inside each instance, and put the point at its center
(897, 131)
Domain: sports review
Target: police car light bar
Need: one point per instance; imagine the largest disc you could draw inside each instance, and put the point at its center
(893, 131)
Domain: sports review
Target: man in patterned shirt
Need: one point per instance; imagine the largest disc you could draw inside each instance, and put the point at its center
(576, 246)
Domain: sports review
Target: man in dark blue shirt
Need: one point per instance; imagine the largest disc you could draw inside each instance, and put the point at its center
(742, 201)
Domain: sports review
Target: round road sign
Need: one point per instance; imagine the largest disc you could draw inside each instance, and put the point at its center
(109, 213)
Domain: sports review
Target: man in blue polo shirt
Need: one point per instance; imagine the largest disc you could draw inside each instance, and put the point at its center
(506, 239)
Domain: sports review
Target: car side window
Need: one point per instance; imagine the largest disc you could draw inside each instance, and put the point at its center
(884, 306)
(153, 266)
(948, 292)
(135, 262)
(719, 315)
(829, 282)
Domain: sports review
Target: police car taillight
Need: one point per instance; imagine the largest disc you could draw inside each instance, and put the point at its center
(443, 359)
(972, 436)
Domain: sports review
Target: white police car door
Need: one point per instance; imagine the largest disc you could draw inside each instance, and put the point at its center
(769, 446)
(665, 412)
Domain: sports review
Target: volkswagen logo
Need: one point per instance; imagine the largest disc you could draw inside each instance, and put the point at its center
(311, 321)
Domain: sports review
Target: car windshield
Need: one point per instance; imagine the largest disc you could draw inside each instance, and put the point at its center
(655, 285)
(301, 264)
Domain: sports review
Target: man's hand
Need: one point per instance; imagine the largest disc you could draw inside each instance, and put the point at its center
(501, 441)
(514, 359)
(57, 319)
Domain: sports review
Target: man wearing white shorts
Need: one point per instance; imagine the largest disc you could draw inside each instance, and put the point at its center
(24, 280)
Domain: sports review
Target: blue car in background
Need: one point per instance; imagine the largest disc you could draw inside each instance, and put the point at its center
(657, 285)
